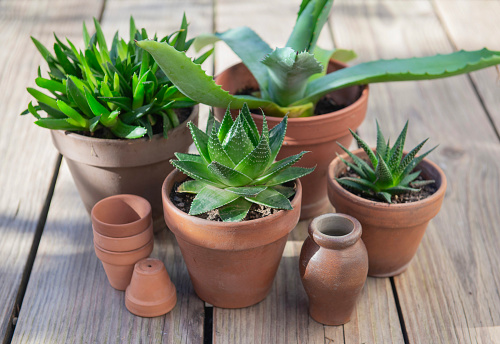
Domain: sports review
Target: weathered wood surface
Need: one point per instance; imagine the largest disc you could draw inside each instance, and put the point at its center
(450, 292)
(27, 157)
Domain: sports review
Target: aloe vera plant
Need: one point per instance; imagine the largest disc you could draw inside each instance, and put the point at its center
(235, 167)
(119, 91)
(390, 173)
(293, 79)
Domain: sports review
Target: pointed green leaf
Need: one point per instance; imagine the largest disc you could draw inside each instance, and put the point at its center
(399, 146)
(189, 157)
(94, 123)
(414, 163)
(237, 144)
(396, 190)
(246, 190)
(56, 124)
(277, 136)
(381, 147)
(409, 178)
(126, 131)
(227, 175)
(78, 97)
(192, 186)
(271, 198)
(359, 181)
(290, 173)
(196, 171)
(366, 148)
(350, 185)
(97, 108)
(227, 123)
(284, 190)
(72, 113)
(384, 176)
(42, 97)
(200, 140)
(360, 163)
(385, 196)
(41, 48)
(51, 85)
(235, 211)
(359, 171)
(420, 183)
(278, 166)
(409, 157)
(249, 125)
(216, 151)
(259, 160)
(33, 110)
(210, 198)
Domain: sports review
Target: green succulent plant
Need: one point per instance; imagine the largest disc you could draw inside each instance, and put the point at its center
(390, 173)
(120, 91)
(293, 79)
(235, 167)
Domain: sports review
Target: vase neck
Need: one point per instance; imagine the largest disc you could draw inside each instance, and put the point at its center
(335, 231)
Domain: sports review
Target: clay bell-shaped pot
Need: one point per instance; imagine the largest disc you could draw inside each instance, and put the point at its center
(333, 267)
(151, 293)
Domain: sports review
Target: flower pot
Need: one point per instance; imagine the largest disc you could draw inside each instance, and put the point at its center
(333, 267)
(316, 134)
(150, 293)
(391, 232)
(121, 216)
(124, 244)
(231, 265)
(106, 167)
(120, 265)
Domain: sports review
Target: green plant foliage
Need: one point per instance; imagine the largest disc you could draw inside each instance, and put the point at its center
(235, 167)
(390, 173)
(119, 91)
(289, 79)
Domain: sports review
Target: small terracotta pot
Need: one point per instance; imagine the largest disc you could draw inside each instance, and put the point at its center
(391, 232)
(124, 244)
(121, 216)
(120, 265)
(231, 265)
(151, 293)
(316, 134)
(103, 167)
(333, 267)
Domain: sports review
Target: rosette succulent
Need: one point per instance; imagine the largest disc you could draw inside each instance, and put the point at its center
(119, 92)
(293, 79)
(390, 173)
(235, 167)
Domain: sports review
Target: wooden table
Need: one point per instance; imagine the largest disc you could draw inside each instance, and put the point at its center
(54, 290)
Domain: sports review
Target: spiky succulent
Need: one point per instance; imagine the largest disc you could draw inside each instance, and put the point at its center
(235, 167)
(120, 91)
(390, 173)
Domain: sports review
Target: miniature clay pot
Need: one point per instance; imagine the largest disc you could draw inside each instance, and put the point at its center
(333, 267)
(106, 167)
(391, 232)
(124, 244)
(121, 216)
(120, 265)
(151, 293)
(316, 134)
(231, 265)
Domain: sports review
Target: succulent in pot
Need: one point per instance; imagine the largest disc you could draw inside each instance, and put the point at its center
(232, 263)
(111, 111)
(392, 231)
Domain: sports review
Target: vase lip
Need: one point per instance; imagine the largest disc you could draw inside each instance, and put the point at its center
(346, 230)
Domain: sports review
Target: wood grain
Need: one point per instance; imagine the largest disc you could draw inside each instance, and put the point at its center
(449, 294)
(27, 157)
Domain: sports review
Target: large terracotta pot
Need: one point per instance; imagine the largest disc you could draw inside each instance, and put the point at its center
(317, 134)
(391, 232)
(231, 265)
(333, 267)
(103, 167)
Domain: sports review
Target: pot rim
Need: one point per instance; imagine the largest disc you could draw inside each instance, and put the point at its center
(382, 205)
(124, 244)
(123, 258)
(335, 242)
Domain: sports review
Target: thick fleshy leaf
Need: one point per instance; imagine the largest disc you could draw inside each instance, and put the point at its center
(384, 176)
(414, 163)
(359, 181)
(192, 186)
(227, 123)
(409, 178)
(237, 144)
(420, 183)
(246, 190)
(259, 160)
(249, 125)
(385, 196)
(56, 124)
(72, 113)
(51, 85)
(277, 136)
(216, 151)
(397, 149)
(381, 146)
(42, 97)
(78, 96)
(227, 175)
(126, 131)
(196, 171)
(359, 171)
(210, 198)
(189, 157)
(366, 148)
(395, 190)
(97, 108)
(395, 159)
(271, 198)
(275, 168)
(235, 211)
(284, 190)
(290, 173)
(352, 185)
(408, 158)
(200, 140)
(360, 163)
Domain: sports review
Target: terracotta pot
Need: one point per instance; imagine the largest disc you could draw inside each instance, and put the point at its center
(316, 134)
(333, 267)
(231, 265)
(121, 216)
(102, 167)
(150, 293)
(124, 244)
(391, 232)
(120, 265)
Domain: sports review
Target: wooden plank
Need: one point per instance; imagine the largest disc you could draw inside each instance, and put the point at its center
(27, 157)
(469, 25)
(376, 317)
(68, 297)
(450, 292)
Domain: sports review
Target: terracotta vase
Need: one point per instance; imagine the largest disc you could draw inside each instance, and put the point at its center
(316, 134)
(102, 167)
(391, 232)
(231, 265)
(120, 265)
(333, 267)
(151, 293)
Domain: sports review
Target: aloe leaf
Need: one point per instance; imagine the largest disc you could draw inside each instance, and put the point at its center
(259, 160)
(200, 140)
(323, 56)
(277, 136)
(216, 151)
(64, 61)
(51, 85)
(289, 73)
(290, 173)
(399, 144)
(359, 162)
(271, 198)
(52, 112)
(126, 131)
(416, 68)
(228, 176)
(33, 110)
(227, 123)
(275, 168)
(43, 51)
(173, 117)
(210, 123)
(245, 43)
(56, 124)
(94, 123)
(409, 178)
(284, 190)
(136, 114)
(383, 173)
(72, 113)
(246, 190)
(210, 198)
(395, 160)
(166, 124)
(122, 102)
(96, 107)
(311, 18)
(366, 148)
(192, 186)
(237, 144)
(385, 196)
(408, 158)
(414, 163)
(189, 157)
(235, 211)
(420, 183)
(249, 125)
(381, 146)
(395, 190)
(78, 97)
(196, 171)
(358, 170)
(181, 37)
(359, 181)
(202, 58)
(349, 184)
(42, 97)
